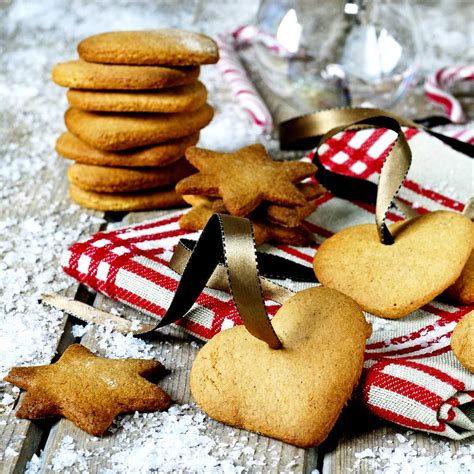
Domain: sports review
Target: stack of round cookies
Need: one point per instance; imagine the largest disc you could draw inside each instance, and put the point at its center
(135, 106)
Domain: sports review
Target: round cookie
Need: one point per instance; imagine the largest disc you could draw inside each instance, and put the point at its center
(391, 281)
(80, 74)
(121, 180)
(111, 132)
(73, 148)
(168, 46)
(462, 341)
(179, 99)
(126, 202)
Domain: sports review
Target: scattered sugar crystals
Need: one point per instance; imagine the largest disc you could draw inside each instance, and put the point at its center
(404, 456)
(67, 456)
(34, 465)
(171, 441)
(7, 399)
(29, 266)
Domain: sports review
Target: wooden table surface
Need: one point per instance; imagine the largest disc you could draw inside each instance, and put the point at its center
(34, 36)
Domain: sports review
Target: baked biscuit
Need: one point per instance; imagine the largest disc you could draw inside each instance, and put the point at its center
(80, 74)
(179, 99)
(245, 178)
(462, 341)
(296, 393)
(166, 46)
(73, 148)
(88, 390)
(273, 213)
(197, 218)
(463, 288)
(103, 179)
(292, 216)
(163, 198)
(391, 281)
(112, 132)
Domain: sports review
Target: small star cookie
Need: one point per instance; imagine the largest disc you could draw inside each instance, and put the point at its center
(197, 217)
(88, 390)
(245, 178)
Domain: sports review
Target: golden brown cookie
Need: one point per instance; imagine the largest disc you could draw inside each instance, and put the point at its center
(462, 341)
(179, 99)
(246, 178)
(197, 218)
(88, 390)
(463, 288)
(163, 198)
(166, 46)
(273, 213)
(391, 281)
(106, 179)
(292, 216)
(294, 394)
(73, 148)
(80, 74)
(112, 132)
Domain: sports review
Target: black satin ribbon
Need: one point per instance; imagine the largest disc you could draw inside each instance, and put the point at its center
(272, 266)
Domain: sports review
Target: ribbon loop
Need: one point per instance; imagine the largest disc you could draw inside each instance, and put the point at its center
(394, 170)
(244, 282)
(305, 132)
(317, 128)
(311, 130)
(393, 174)
(230, 237)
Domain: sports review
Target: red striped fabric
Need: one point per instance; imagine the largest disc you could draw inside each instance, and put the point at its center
(411, 376)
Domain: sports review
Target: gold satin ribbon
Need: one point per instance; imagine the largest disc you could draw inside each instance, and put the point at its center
(394, 170)
(223, 236)
(295, 133)
(220, 281)
(240, 257)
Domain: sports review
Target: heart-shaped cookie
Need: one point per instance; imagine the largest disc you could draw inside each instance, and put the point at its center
(391, 281)
(295, 393)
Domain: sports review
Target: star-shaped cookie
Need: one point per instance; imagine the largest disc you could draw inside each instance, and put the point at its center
(245, 178)
(197, 218)
(88, 390)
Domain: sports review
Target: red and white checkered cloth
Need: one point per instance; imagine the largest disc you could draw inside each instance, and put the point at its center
(411, 376)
